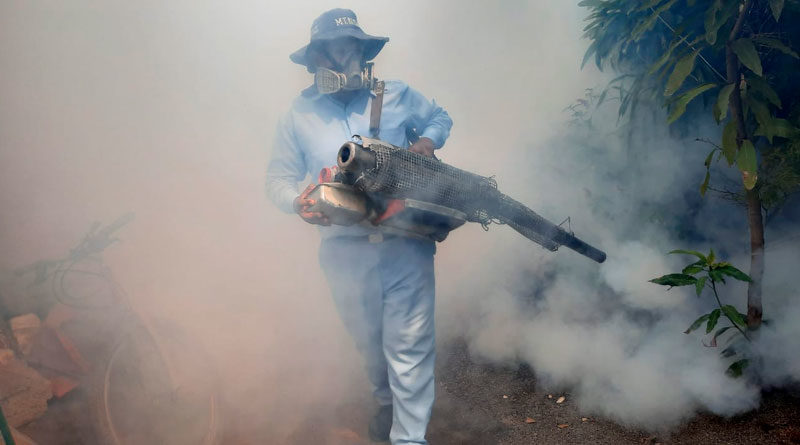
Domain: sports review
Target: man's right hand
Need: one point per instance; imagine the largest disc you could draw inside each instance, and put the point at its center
(302, 204)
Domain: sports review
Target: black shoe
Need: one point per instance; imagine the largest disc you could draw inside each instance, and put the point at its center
(381, 424)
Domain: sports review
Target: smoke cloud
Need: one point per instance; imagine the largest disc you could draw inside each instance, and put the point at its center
(604, 332)
(167, 110)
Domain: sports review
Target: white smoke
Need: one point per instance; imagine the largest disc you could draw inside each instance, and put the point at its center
(167, 110)
(604, 332)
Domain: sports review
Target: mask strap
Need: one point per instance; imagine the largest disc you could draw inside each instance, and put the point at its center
(375, 111)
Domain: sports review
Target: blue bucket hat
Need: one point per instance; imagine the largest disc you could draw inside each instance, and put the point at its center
(334, 24)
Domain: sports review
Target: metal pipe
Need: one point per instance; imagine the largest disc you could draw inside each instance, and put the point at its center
(354, 158)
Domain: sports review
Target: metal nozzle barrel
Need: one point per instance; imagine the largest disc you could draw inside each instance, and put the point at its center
(353, 158)
(585, 249)
(444, 185)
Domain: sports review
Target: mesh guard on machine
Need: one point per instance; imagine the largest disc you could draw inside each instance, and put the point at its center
(380, 169)
(346, 205)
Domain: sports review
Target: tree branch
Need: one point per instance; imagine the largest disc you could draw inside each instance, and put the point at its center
(732, 71)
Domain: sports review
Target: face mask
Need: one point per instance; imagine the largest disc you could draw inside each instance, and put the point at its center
(329, 81)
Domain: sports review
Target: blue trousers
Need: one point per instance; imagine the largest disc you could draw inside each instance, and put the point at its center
(384, 293)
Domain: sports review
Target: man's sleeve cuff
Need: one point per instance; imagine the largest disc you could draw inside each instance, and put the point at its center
(435, 135)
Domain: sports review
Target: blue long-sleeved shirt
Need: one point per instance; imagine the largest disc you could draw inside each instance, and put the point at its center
(310, 134)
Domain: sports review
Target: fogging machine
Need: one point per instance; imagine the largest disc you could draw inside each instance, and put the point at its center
(409, 194)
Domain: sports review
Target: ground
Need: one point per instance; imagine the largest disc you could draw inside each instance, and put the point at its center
(471, 409)
(484, 404)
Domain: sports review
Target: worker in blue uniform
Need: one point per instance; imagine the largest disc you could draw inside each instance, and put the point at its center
(382, 285)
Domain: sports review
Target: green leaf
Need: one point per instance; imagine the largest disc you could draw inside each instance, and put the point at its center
(734, 272)
(777, 127)
(648, 4)
(707, 162)
(713, 317)
(760, 110)
(729, 147)
(746, 161)
(681, 71)
(716, 17)
(693, 268)
(730, 351)
(737, 368)
(690, 252)
(721, 106)
(679, 107)
(696, 323)
(776, 44)
(761, 86)
(701, 283)
(711, 21)
(747, 54)
(647, 24)
(633, 93)
(704, 185)
(601, 98)
(589, 51)
(719, 332)
(674, 279)
(643, 26)
(716, 276)
(711, 256)
(776, 6)
(664, 57)
(734, 316)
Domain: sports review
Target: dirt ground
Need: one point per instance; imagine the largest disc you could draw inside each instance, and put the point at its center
(480, 404)
(472, 409)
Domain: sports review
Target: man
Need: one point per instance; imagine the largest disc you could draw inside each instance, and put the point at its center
(382, 285)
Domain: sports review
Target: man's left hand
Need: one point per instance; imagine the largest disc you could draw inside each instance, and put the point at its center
(423, 146)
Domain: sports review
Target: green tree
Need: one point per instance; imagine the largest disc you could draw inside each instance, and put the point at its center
(738, 56)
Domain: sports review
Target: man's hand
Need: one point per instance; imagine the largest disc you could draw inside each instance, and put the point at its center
(302, 204)
(423, 146)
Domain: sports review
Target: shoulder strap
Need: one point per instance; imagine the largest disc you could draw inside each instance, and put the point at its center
(375, 112)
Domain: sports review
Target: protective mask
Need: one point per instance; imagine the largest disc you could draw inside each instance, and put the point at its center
(329, 81)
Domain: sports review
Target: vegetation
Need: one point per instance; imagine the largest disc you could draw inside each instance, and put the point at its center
(706, 273)
(732, 59)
